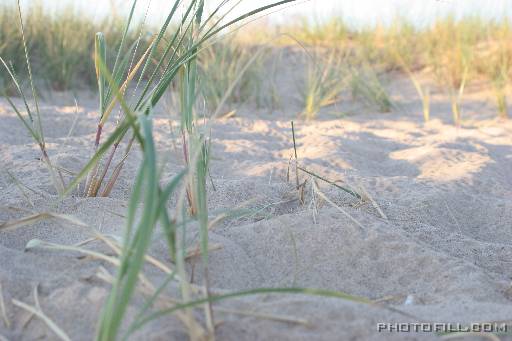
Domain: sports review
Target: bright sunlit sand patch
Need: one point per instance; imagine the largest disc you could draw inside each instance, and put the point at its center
(440, 164)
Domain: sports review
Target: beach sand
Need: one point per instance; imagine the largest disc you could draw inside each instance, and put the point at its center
(440, 252)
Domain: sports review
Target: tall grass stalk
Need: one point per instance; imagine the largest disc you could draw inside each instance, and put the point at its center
(456, 99)
(34, 126)
(423, 92)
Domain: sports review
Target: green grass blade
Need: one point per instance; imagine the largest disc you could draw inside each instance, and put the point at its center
(252, 292)
(29, 68)
(133, 259)
(100, 53)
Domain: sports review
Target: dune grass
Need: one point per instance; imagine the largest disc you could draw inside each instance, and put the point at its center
(32, 119)
(366, 86)
(326, 78)
(61, 45)
(498, 66)
(221, 64)
(453, 51)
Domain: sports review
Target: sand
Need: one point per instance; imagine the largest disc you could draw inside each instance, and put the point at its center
(442, 254)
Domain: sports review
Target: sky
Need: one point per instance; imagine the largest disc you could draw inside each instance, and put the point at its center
(356, 12)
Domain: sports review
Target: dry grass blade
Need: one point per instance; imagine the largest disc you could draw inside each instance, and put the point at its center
(3, 310)
(349, 191)
(297, 168)
(368, 197)
(19, 185)
(297, 182)
(123, 87)
(323, 196)
(37, 243)
(37, 311)
(35, 218)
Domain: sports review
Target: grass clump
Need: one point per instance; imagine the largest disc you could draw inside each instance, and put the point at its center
(325, 79)
(450, 56)
(498, 66)
(60, 43)
(32, 119)
(228, 64)
(366, 86)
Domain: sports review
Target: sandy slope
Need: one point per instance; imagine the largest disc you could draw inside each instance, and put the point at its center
(445, 245)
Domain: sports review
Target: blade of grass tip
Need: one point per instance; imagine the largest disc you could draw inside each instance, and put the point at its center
(29, 68)
(124, 68)
(214, 13)
(100, 48)
(100, 53)
(169, 74)
(139, 38)
(159, 37)
(123, 38)
(123, 87)
(20, 92)
(210, 34)
(36, 132)
(170, 46)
